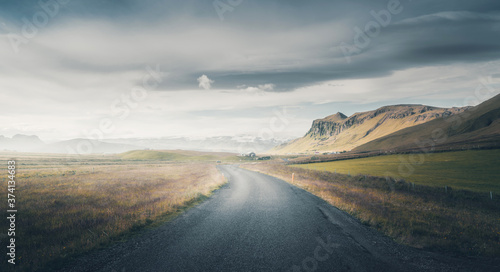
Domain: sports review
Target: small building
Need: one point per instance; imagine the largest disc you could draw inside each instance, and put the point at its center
(249, 154)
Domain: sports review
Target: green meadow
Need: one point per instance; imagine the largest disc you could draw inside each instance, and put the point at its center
(477, 170)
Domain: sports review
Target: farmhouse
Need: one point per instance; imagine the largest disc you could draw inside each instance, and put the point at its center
(249, 154)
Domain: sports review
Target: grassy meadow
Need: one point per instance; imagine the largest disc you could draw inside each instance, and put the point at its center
(178, 155)
(461, 222)
(476, 170)
(68, 206)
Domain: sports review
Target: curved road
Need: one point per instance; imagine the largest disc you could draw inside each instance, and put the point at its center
(260, 223)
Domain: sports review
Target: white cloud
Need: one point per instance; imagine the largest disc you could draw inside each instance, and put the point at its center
(259, 90)
(190, 112)
(266, 87)
(205, 82)
(66, 79)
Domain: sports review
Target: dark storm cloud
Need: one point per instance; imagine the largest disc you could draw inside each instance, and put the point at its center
(244, 49)
(223, 59)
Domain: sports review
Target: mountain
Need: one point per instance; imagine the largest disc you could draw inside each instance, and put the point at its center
(233, 144)
(31, 143)
(87, 146)
(338, 132)
(20, 142)
(478, 126)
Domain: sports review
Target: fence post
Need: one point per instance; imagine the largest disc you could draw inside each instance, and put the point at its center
(446, 189)
(389, 182)
(491, 195)
(293, 176)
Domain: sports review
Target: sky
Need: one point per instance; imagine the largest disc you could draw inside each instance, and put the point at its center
(159, 68)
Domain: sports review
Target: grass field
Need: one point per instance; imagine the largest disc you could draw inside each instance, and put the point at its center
(68, 206)
(177, 155)
(472, 170)
(458, 222)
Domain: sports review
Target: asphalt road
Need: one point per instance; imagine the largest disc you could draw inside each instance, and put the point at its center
(260, 223)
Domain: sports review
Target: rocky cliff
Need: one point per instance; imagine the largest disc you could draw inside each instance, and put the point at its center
(338, 132)
(477, 127)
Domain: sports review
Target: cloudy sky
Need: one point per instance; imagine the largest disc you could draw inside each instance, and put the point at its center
(74, 68)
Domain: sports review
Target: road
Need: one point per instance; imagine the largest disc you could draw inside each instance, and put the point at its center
(260, 223)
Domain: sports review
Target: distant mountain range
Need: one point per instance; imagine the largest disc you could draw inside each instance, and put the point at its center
(32, 143)
(234, 144)
(21, 143)
(390, 128)
(338, 132)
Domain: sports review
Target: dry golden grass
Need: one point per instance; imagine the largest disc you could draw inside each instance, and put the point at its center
(65, 210)
(459, 222)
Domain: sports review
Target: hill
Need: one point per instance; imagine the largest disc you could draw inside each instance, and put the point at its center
(21, 143)
(177, 155)
(338, 132)
(234, 144)
(478, 126)
(86, 146)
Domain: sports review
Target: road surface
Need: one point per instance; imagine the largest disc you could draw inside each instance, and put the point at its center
(260, 223)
